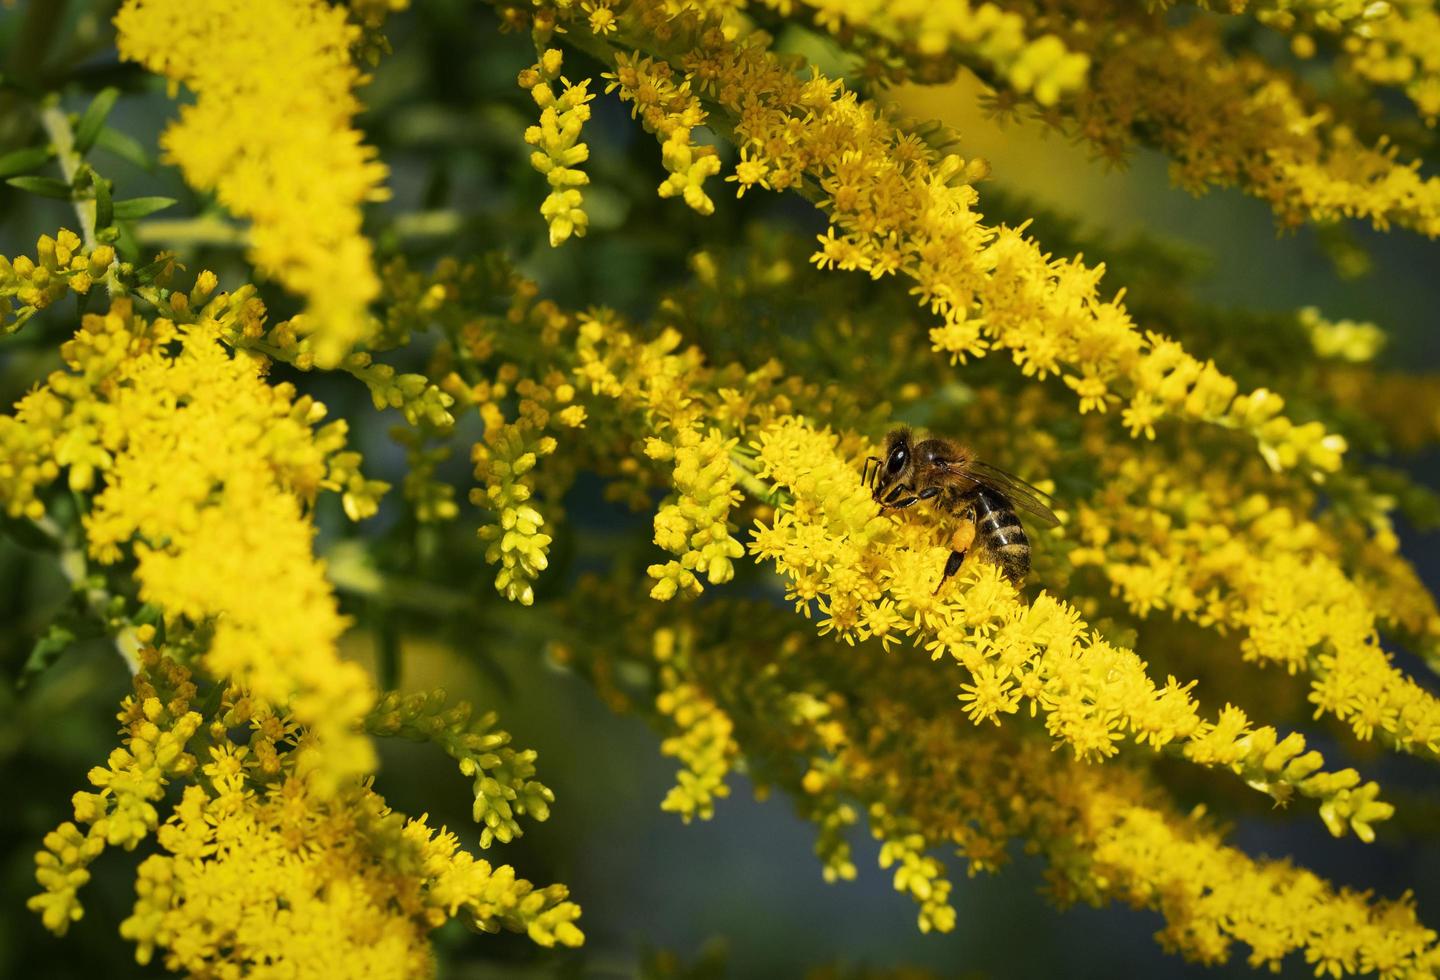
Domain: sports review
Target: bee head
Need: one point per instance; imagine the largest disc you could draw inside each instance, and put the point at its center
(893, 468)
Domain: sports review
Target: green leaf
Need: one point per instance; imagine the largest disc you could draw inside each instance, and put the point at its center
(139, 207)
(124, 146)
(47, 650)
(104, 206)
(44, 186)
(90, 124)
(23, 161)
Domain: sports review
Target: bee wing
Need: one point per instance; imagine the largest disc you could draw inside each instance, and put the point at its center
(1034, 502)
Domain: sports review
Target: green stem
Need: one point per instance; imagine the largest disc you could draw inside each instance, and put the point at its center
(62, 137)
(220, 233)
(191, 231)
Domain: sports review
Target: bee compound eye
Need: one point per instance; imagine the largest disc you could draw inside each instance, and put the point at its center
(897, 460)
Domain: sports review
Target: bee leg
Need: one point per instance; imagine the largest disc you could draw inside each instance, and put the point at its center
(867, 477)
(906, 502)
(895, 495)
(960, 543)
(952, 565)
(929, 492)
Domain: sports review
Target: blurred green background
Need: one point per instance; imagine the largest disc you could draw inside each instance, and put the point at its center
(743, 892)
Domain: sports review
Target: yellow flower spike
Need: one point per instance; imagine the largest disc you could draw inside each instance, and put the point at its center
(516, 540)
(500, 774)
(302, 185)
(558, 150)
(702, 739)
(1265, 573)
(693, 525)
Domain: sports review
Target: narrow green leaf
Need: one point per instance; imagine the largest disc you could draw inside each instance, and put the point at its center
(124, 146)
(23, 161)
(163, 265)
(104, 206)
(94, 119)
(139, 207)
(44, 186)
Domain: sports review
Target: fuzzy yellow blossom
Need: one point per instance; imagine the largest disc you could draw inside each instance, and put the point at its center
(271, 132)
(1203, 549)
(1399, 47)
(175, 445)
(558, 150)
(1168, 82)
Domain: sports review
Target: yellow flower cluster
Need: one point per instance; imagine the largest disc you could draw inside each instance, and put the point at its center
(158, 724)
(1226, 119)
(1341, 340)
(271, 133)
(703, 743)
(869, 728)
(695, 524)
(874, 579)
(1196, 544)
(62, 264)
(671, 112)
(558, 150)
(1400, 47)
(897, 209)
(985, 34)
(174, 446)
(260, 874)
(515, 538)
(501, 775)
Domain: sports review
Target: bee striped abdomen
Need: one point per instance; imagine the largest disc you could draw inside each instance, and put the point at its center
(999, 533)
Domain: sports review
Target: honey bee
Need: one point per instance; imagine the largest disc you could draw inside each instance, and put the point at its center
(980, 498)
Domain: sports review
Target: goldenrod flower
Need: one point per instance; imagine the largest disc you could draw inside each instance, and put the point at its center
(271, 133)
